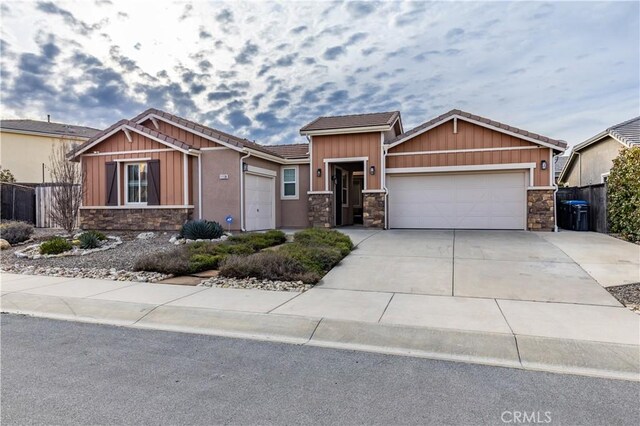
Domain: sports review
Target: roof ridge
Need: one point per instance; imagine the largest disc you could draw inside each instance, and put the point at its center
(624, 123)
(358, 115)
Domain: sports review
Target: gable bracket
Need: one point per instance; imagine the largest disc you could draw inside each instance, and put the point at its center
(155, 122)
(127, 134)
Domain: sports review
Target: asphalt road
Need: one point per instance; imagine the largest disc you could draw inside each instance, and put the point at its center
(59, 372)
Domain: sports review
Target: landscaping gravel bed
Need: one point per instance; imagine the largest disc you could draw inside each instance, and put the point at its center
(96, 273)
(121, 258)
(628, 295)
(254, 283)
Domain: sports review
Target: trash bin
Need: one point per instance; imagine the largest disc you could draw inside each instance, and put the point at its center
(580, 217)
(573, 215)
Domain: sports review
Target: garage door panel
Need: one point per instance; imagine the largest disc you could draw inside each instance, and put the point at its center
(464, 201)
(259, 202)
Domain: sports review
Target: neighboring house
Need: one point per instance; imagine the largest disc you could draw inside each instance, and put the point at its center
(26, 146)
(458, 170)
(591, 161)
(558, 167)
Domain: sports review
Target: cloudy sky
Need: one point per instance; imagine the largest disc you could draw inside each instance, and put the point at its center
(261, 70)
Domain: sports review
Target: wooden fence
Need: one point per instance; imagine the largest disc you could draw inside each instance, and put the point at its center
(596, 196)
(18, 202)
(44, 201)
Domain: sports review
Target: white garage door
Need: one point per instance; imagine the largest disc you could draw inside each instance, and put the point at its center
(458, 201)
(259, 202)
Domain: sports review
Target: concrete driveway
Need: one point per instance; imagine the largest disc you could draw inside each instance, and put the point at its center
(489, 264)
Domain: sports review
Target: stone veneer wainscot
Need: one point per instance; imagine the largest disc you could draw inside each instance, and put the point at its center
(320, 210)
(373, 210)
(125, 219)
(540, 211)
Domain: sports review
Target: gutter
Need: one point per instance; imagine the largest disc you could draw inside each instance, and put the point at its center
(555, 191)
(242, 227)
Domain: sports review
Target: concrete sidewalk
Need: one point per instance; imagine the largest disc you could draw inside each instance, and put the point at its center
(578, 339)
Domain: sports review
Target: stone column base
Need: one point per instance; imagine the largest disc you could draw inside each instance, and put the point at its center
(321, 210)
(540, 210)
(373, 210)
(147, 219)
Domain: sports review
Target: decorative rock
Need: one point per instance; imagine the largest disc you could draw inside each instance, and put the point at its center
(4, 244)
(146, 235)
(173, 239)
(254, 283)
(96, 273)
(33, 251)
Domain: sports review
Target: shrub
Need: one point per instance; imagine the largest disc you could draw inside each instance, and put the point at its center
(88, 240)
(15, 232)
(55, 245)
(99, 235)
(201, 262)
(319, 259)
(201, 230)
(174, 262)
(623, 193)
(267, 265)
(259, 241)
(324, 237)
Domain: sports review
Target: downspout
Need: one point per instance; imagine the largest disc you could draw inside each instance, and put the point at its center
(555, 191)
(242, 228)
(200, 186)
(384, 182)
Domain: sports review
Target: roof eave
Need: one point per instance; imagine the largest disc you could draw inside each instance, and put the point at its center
(345, 130)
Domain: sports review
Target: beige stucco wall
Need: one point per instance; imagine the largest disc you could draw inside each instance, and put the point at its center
(24, 155)
(294, 213)
(221, 197)
(593, 161)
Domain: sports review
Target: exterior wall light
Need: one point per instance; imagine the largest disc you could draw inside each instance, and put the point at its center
(319, 172)
(543, 165)
(245, 167)
(372, 170)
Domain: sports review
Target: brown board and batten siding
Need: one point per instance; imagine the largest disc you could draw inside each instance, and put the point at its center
(469, 136)
(343, 146)
(175, 132)
(171, 168)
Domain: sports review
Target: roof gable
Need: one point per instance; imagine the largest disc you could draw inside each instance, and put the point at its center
(481, 121)
(357, 121)
(127, 125)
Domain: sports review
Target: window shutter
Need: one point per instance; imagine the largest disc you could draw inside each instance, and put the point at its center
(112, 183)
(153, 182)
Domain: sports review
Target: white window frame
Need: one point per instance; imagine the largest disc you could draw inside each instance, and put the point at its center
(345, 180)
(296, 182)
(604, 177)
(126, 183)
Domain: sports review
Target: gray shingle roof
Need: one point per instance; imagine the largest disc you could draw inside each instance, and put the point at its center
(209, 131)
(139, 127)
(560, 144)
(298, 150)
(628, 131)
(48, 128)
(352, 121)
(561, 161)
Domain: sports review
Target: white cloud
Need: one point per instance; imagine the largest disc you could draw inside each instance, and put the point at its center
(566, 70)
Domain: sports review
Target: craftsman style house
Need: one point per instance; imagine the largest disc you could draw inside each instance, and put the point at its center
(458, 170)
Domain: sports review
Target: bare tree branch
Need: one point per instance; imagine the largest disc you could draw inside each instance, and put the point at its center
(68, 189)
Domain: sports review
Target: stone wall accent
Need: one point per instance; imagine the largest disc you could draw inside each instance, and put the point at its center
(321, 210)
(147, 219)
(373, 210)
(540, 210)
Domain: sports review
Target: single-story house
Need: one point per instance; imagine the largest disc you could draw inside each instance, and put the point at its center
(458, 170)
(590, 161)
(26, 145)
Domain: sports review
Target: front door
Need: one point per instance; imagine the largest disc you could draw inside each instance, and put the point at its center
(337, 190)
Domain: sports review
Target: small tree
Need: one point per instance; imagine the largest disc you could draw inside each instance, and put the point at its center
(6, 176)
(623, 194)
(67, 190)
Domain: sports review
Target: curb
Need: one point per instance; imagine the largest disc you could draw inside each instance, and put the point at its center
(598, 359)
